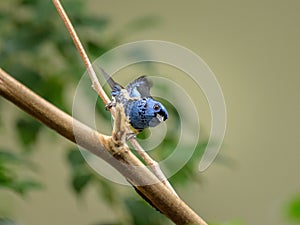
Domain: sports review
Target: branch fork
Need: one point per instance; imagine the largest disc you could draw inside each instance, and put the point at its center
(154, 187)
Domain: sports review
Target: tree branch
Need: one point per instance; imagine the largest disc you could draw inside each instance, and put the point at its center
(95, 83)
(97, 87)
(120, 157)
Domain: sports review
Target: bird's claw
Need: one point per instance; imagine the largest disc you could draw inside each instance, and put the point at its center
(130, 136)
(110, 105)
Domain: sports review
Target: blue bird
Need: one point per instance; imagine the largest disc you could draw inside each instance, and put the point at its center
(140, 108)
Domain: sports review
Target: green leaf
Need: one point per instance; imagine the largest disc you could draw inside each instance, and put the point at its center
(9, 180)
(28, 130)
(81, 175)
(7, 221)
(189, 171)
(80, 182)
(28, 2)
(75, 158)
(294, 209)
(24, 186)
(9, 177)
(107, 191)
(148, 21)
(8, 157)
(99, 23)
(52, 90)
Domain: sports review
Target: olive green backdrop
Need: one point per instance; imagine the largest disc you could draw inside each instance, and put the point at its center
(253, 47)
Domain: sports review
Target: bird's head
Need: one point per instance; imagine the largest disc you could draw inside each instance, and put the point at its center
(156, 112)
(146, 112)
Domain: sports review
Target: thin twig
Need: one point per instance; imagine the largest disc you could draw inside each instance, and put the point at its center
(95, 83)
(152, 164)
(123, 159)
(97, 87)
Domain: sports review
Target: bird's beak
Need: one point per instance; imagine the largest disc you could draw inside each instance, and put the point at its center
(160, 118)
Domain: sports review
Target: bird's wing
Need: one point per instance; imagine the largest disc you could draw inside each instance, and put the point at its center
(139, 88)
(108, 78)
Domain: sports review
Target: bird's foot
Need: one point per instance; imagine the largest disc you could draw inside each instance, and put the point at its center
(130, 136)
(110, 105)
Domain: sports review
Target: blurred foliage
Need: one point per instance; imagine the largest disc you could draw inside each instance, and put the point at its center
(10, 164)
(293, 211)
(27, 130)
(36, 48)
(82, 176)
(7, 221)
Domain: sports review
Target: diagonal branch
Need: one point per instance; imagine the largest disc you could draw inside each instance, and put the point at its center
(120, 157)
(97, 87)
(95, 83)
(108, 148)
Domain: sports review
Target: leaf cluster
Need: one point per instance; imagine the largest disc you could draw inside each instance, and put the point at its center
(10, 166)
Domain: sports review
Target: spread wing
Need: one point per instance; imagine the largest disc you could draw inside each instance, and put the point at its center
(108, 78)
(139, 88)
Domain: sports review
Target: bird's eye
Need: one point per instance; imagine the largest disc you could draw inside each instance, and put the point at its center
(156, 107)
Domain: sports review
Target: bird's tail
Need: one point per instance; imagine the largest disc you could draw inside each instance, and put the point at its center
(108, 78)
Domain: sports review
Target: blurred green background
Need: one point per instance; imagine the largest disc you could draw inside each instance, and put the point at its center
(252, 47)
